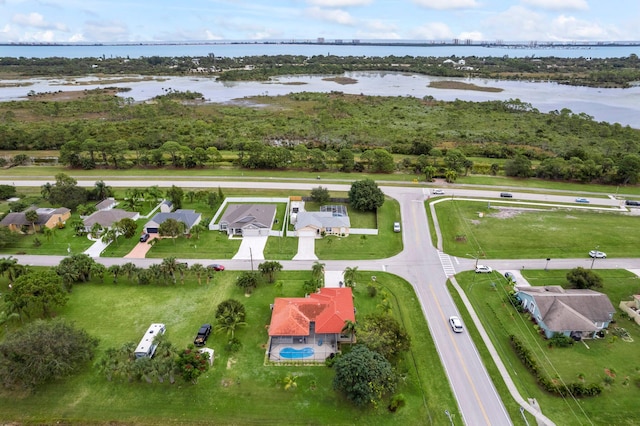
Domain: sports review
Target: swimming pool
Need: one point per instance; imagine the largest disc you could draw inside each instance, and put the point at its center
(293, 353)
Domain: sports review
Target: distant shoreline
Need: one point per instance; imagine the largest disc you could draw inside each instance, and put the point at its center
(452, 43)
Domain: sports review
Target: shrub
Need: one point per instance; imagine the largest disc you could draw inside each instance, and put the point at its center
(372, 290)
(559, 340)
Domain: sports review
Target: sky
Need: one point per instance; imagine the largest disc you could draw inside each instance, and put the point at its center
(107, 21)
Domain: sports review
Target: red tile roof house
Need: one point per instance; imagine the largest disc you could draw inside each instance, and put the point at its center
(309, 329)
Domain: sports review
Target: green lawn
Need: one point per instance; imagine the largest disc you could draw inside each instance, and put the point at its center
(239, 389)
(387, 243)
(209, 245)
(618, 402)
(58, 245)
(530, 234)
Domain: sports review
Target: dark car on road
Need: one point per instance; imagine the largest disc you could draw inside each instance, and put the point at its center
(203, 335)
(216, 267)
(506, 195)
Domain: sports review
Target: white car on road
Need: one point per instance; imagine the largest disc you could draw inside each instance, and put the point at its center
(597, 254)
(437, 192)
(456, 324)
(482, 269)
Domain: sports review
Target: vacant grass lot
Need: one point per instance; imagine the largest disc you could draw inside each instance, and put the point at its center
(511, 233)
(618, 402)
(239, 389)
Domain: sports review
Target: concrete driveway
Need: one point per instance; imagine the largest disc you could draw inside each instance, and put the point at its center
(251, 248)
(306, 249)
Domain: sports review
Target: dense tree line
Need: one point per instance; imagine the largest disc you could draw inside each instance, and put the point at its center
(332, 131)
(583, 71)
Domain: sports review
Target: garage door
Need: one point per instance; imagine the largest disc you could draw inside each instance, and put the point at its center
(152, 230)
(306, 233)
(251, 232)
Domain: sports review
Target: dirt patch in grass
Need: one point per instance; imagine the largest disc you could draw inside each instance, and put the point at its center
(341, 80)
(509, 212)
(458, 85)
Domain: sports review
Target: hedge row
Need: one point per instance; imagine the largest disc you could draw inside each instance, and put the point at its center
(561, 389)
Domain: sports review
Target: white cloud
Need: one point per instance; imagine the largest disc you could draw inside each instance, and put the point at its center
(105, 31)
(432, 31)
(339, 3)
(558, 4)
(332, 15)
(522, 24)
(36, 20)
(447, 4)
(473, 35)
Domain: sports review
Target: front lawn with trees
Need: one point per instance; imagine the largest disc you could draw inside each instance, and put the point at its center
(239, 388)
(607, 362)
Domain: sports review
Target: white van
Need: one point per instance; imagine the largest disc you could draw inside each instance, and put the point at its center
(147, 346)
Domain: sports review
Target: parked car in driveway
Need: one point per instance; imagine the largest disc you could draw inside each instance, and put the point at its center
(598, 254)
(509, 276)
(144, 238)
(582, 200)
(482, 269)
(203, 335)
(216, 267)
(438, 192)
(456, 324)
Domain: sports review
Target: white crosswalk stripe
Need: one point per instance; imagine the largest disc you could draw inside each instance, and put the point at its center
(447, 265)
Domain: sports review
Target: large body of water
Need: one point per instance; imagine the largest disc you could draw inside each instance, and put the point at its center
(257, 49)
(610, 105)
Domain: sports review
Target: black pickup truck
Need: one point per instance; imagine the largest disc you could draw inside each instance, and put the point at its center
(203, 334)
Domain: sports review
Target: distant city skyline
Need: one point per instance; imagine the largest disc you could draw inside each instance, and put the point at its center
(118, 21)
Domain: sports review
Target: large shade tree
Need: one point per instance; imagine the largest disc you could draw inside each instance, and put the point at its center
(364, 376)
(365, 195)
(43, 351)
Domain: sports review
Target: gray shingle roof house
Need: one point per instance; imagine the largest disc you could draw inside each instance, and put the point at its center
(106, 218)
(248, 219)
(319, 222)
(578, 313)
(106, 204)
(188, 217)
(47, 217)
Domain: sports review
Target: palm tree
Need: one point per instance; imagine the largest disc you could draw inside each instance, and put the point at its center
(45, 190)
(170, 266)
(32, 216)
(101, 189)
(115, 270)
(269, 269)
(110, 236)
(290, 381)
(129, 269)
(48, 234)
(154, 193)
(317, 271)
(247, 281)
(197, 229)
(350, 275)
(349, 328)
(96, 229)
(228, 323)
(6, 263)
(198, 270)
(98, 270)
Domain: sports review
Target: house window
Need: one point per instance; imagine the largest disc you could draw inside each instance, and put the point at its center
(327, 230)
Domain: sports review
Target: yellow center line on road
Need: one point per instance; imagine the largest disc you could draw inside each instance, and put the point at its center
(464, 366)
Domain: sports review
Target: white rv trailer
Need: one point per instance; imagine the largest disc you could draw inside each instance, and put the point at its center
(147, 346)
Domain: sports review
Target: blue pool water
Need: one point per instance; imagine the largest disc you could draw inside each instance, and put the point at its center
(292, 353)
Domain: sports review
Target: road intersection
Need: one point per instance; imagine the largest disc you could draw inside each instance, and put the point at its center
(421, 264)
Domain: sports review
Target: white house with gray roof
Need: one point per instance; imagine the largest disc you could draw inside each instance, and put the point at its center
(248, 220)
(189, 217)
(321, 223)
(106, 218)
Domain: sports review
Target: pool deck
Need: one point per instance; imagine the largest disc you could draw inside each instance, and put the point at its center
(320, 352)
